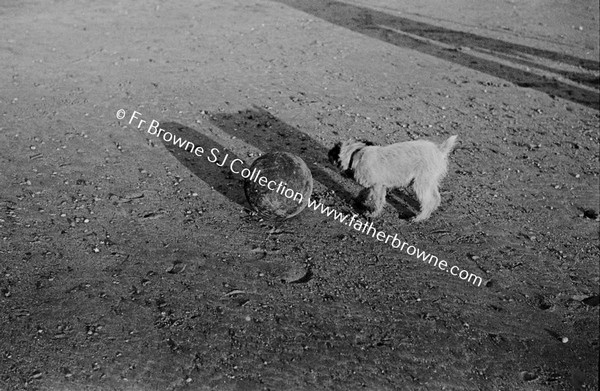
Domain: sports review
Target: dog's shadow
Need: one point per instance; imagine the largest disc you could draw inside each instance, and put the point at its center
(404, 201)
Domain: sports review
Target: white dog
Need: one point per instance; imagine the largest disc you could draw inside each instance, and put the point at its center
(378, 168)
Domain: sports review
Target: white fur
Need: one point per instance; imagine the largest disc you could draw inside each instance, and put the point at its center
(379, 168)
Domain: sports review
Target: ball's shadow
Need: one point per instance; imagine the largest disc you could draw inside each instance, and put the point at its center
(212, 172)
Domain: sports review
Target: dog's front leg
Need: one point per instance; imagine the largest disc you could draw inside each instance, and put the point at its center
(372, 200)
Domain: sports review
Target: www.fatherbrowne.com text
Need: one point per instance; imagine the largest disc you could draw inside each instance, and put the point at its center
(237, 166)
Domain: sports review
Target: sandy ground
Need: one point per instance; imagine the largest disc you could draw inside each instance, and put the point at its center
(128, 263)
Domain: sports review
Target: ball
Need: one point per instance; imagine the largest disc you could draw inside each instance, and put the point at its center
(280, 185)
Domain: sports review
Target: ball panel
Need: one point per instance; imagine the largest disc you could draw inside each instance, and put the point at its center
(291, 180)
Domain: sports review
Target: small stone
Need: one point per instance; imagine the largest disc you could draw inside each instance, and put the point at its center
(592, 301)
(590, 214)
(176, 267)
(565, 339)
(528, 376)
(134, 195)
(296, 274)
(579, 297)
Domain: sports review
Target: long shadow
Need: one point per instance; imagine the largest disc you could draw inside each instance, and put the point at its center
(222, 179)
(433, 40)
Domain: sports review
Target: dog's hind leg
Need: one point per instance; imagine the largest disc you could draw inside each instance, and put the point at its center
(429, 197)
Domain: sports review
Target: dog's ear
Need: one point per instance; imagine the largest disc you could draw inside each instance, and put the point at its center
(347, 149)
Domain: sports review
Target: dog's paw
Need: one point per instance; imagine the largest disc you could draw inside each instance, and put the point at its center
(418, 218)
(371, 212)
(367, 214)
(363, 210)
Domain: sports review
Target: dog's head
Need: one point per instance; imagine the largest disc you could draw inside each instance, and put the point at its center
(341, 153)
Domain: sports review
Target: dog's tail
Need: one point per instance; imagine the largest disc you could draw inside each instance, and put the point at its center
(446, 146)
